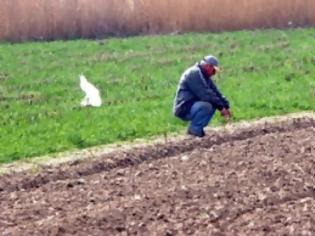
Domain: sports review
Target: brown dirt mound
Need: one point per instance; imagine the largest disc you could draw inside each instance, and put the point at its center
(251, 180)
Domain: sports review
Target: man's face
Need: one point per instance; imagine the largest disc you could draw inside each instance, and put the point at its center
(210, 70)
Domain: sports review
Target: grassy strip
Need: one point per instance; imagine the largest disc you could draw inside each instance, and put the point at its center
(265, 73)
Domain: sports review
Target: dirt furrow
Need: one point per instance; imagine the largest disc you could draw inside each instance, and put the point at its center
(252, 184)
(136, 155)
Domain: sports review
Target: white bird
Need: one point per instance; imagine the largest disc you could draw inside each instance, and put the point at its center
(92, 94)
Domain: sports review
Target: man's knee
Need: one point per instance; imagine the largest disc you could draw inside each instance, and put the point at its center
(206, 107)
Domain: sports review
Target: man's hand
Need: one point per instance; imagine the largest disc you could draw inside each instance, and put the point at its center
(226, 113)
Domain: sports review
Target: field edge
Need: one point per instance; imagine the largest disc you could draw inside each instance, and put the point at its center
(35, 165)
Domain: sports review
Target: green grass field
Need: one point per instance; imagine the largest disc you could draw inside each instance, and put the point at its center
(265, 73)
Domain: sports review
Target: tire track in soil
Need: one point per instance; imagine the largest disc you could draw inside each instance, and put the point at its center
(261, 182)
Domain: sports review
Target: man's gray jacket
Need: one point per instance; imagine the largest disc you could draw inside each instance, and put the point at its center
(193, 87)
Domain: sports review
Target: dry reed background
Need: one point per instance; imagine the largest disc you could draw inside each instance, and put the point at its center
(54, 19)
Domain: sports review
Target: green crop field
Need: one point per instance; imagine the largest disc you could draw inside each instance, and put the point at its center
(265, 73)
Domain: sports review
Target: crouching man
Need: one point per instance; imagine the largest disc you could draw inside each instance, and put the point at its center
(197, 97)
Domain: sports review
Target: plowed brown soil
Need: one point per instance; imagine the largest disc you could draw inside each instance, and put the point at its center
(252, 181)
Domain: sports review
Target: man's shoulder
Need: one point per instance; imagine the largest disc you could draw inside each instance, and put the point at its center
(193, 69)
(191, 72)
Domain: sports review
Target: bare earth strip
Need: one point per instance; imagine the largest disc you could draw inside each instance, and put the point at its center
(247, 179)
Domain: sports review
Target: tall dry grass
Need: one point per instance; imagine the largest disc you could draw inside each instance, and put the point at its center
(54, 19)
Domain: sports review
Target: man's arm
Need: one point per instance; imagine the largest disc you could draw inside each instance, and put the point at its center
(199, 87)
(219, 94)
